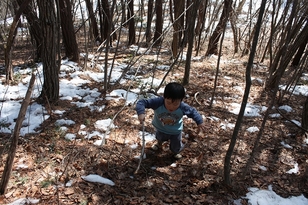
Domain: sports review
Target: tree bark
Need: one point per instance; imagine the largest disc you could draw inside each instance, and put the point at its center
(148, 32)
(227, 163)
(158, 23)
(305, 115)
(214, 39)
(106, 21)
(93, 21)
(186, 19)
(50, 90)
(8, 51)
(101, 19)
(10, 41)
(299, 53)
(34, 28)
(275, 78)
(191, 27)
(200, 24)
(285, 39)
(234, 13)
(131, 23)
(69, 38)
(178, 25)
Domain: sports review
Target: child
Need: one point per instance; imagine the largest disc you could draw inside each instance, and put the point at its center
(168, 117)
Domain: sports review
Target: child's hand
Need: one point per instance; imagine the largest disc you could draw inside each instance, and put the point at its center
(202, 127)
(141, 118)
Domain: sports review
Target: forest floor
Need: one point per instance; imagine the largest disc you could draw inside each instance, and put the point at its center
(197, 178)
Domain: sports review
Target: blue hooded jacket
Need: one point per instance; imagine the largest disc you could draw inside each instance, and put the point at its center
(165, 121)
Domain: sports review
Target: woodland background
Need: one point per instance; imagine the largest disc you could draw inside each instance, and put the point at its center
(271, 35)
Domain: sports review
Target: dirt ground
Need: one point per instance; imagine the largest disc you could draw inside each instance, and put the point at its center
(197, 178)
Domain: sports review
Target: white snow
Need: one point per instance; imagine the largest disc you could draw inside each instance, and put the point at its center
(23, 201)
(98, 179)
(286, 145)
(294, 170)
(104, 124)
(263, 168)
(73, 87)
(286, 108)
(76, 89)
(250, 110)
(257, 196)
(253, 129)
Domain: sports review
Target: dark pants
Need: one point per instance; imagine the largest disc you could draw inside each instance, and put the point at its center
(176, 145)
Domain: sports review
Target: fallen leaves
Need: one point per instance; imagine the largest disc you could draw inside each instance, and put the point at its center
(69, 191)
(194, 179)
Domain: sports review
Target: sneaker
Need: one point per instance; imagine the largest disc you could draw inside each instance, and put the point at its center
(178, 156)
(157, 146)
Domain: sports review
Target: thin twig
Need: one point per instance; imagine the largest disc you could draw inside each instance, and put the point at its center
(116, 115)
(142, 150)
(300, 127)
(13, 147)
(195, 96)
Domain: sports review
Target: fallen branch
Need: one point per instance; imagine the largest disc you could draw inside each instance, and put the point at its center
(10, 159)
(142, 150)
(195, 96)
(300, 127)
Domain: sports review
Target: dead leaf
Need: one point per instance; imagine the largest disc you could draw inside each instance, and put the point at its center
(69, 191)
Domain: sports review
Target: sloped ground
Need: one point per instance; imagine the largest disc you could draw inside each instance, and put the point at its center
(197, 178)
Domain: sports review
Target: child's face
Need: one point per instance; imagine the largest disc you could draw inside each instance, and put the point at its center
(171, 105)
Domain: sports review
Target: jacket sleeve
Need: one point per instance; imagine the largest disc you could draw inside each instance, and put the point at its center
(191, 113)
(152, 103)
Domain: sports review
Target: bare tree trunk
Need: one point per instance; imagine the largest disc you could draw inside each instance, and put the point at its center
(273, 30)
(217, 68)
(299, 53)
(11, 155)
(227, 165)
(178, 25)
(1, 37)
(50, 90)
(305, 115)
(10, 42)
(200, 25)
(131, 23)
(284, 37)
(272, 100)
(93, 21)
(123, 13)
(8, 52)
(107, 32)
(35, 29)
(213, 42)
(158, 23)
(235, 12)
(85, 36)
(148, 32)
(101, 19)
(69, 38)
(275, 78)
(191, 28)
(186, 20)
(107, 25)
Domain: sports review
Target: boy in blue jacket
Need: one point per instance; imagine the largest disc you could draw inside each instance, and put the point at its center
(168, 117)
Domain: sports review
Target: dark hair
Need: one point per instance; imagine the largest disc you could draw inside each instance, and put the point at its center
(174, 91)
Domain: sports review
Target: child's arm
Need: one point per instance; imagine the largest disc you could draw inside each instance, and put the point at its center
(191, 113)
(195, 115)
(141, 117)
(152, 103)
(202, 127)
